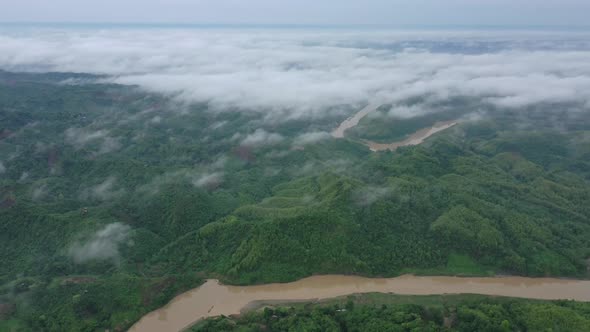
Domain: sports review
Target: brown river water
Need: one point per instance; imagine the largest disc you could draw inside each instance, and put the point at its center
(214, 299)
(353, 120)
(416, 138)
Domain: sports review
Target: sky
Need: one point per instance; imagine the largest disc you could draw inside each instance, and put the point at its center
(306, 12)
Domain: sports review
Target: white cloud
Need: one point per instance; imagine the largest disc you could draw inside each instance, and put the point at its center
(102, 245)
(311, 137)
(208, 180)
(291, 74)
(23, 176)
(196, 177)
(261, 137)
(103, 191)
(39, 192)
(404, 111)
(153, 187)
(369, 195)
(79, 137)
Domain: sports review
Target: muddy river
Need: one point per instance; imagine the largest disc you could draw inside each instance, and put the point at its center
(416, 138)
(213, 299)
(353, 120)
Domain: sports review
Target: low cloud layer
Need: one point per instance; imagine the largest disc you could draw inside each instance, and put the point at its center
(81, 137)
(311, 137)
(369, 195)
(261, 138)
(200, 178)
(209, 180)
(103, 191)
(291, 74)
(102, 245)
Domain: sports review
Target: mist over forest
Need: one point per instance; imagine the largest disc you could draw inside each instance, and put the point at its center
(137, 162)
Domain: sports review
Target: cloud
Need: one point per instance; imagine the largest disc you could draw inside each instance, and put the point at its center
(81, 137)
(311, 137)
(261, 137)
(23, 176)
(109, 144)
(39, 192)
(2, 168)
(369, 195)
(197, 177)
(209, 180)
(183, 175)
(219, 163)
(338, 166)
(295, 74)
(404, 111)
(102, 245)
(103, 191)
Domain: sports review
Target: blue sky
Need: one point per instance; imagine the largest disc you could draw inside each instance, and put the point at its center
(328, 12)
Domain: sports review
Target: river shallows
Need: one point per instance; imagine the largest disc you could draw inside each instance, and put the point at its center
(214, 299)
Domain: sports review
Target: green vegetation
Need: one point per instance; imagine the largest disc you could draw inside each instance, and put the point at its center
(390, 124)
(378, 312)
(113, 200)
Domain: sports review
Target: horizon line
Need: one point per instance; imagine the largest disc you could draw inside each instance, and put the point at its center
(300, 25)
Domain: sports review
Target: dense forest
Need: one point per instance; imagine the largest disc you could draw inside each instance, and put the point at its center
(380, 313)
(112, 200)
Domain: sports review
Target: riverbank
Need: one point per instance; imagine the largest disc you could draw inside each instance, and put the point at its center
(415, 138)
(214, 299)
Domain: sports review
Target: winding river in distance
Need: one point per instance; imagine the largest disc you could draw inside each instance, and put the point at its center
(416, 138)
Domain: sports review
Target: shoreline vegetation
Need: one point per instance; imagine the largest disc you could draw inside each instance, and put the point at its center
(213, 299)
(392, 312)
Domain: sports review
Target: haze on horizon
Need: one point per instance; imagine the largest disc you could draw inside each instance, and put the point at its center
(329, 12)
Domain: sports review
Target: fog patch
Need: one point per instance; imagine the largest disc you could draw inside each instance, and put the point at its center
(23, 177)
(217, 125)
(39, 192)
(157, 182)
(219, 163)
(102, 245)
(311, 137)
(82, 137)
(337, 166)
(406, 112)
(261, 138)
(277, 154)
(198, 178)
(79, 137)
(108, 145)
(209, 180)
(103, 191)
(369, 195)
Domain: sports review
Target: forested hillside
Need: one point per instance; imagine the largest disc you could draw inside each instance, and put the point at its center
(112, 199)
